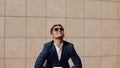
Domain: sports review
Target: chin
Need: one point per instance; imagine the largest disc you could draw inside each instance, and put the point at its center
(59, 36)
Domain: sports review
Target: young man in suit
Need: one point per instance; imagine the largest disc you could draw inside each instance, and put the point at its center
(57, 52)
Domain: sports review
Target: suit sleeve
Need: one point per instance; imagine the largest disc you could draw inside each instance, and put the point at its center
(41, 58)
(75, 58)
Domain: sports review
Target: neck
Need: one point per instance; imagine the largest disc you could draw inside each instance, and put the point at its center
(58, 41)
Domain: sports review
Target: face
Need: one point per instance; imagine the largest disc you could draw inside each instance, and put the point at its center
(58, 32)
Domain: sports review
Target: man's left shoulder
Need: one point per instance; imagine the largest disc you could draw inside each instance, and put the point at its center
(68, 44)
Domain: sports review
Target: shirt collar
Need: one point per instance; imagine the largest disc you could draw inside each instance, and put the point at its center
(57, 46)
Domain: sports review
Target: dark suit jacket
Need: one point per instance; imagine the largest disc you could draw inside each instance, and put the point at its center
(49, 55)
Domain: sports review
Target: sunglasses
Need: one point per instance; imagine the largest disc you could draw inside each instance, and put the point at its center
(56, 29)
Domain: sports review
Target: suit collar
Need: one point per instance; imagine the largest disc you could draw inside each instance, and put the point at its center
(55, 52)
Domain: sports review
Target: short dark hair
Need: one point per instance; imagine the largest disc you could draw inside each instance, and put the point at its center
(54, 26)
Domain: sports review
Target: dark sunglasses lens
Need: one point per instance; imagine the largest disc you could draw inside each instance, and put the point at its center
(61, 29)
(56, 29)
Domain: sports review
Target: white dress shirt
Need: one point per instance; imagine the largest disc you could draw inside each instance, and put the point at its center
(59, 50)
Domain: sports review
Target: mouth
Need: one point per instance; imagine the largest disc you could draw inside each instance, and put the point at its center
(59, 33)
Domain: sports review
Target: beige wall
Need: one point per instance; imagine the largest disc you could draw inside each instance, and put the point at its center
(92, 25)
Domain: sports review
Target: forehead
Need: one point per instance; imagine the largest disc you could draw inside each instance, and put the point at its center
(57, 27)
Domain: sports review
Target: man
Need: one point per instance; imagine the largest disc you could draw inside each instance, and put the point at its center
(57, 52)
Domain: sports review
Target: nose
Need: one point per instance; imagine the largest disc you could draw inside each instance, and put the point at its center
(60, 30)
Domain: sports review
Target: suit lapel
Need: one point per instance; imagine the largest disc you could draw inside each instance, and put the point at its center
(63, 52)
(55, 52)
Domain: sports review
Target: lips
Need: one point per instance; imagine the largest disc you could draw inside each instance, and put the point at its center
(59, 33)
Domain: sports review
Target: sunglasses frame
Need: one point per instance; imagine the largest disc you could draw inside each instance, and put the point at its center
(56, 29)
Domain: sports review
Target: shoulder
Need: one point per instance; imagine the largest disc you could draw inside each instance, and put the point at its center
(69, 47)
(68, 44)
(48, 44)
